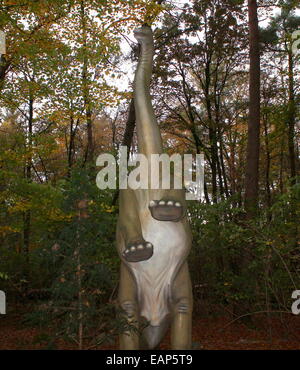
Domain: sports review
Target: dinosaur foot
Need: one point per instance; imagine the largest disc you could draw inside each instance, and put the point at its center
(138, 252)
(166, 210)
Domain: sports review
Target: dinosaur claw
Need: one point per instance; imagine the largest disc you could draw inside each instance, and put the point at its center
(168, 210)
(138, 252)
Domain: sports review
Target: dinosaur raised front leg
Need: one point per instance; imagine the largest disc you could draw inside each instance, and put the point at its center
(136, 248)
(170, 207)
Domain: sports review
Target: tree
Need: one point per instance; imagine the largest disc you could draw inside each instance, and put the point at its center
(252, 163)
(277, 40)
(197, 66)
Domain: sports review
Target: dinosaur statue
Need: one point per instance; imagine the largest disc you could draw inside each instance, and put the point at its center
(153, 237)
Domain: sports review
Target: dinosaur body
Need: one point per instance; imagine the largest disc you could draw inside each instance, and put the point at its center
(153, 237)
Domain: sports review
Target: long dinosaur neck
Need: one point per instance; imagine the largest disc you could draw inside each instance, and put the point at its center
(149, 139)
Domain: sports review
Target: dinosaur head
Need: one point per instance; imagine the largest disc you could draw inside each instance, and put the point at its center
(143, 34)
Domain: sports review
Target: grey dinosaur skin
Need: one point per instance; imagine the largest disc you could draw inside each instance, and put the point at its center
(153, 237)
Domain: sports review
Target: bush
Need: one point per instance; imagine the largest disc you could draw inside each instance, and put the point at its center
(241, 263)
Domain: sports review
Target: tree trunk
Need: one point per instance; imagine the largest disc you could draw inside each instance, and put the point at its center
(212, 131)
(223, 168)
(71, 147)
(129, 129)
(86, 92)
(127, 138)
(268, 165)
(252, 165)
(4, 65)
(27, 213)
(291, 119)
(214, 158)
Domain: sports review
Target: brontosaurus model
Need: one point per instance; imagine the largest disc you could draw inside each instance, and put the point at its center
(153, 236)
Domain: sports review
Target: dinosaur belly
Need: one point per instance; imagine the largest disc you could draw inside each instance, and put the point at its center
(154, 276)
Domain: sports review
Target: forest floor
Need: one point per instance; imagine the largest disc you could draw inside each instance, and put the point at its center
(209, 333)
